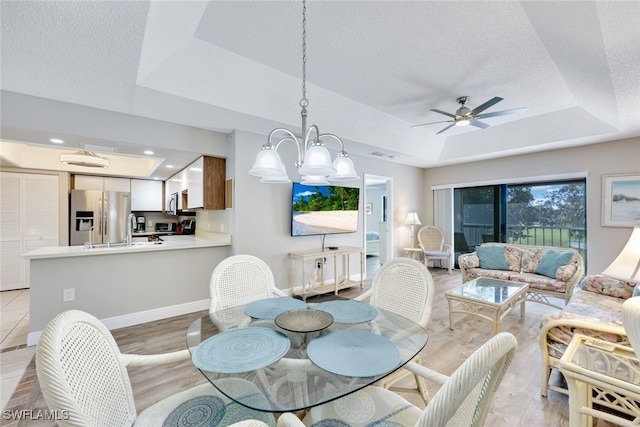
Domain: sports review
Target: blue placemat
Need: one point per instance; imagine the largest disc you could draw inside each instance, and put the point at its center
(348, 311)
(241, 350)
(354, 353)
(270, 308)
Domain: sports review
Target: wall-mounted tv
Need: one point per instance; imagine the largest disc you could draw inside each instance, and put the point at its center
(323, 209)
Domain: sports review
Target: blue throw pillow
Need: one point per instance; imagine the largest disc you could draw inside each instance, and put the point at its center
(492, 257)
(552, 261)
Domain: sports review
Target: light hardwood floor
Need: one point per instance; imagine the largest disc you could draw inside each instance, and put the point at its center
(518, 402)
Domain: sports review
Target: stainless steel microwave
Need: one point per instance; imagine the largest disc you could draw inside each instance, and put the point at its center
(172, 204)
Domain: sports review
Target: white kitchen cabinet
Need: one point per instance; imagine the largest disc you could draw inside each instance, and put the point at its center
(207, 183)
(101, 183)
(195, 184)
(146, 195)
(29, 220)
(201, 185)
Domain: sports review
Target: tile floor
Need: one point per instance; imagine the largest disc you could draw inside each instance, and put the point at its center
(14, 353)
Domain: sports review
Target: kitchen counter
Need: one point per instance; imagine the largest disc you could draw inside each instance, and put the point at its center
(124, 285)
(170, 242)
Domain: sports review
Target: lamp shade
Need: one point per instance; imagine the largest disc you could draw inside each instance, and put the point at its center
(627, 265)
(282, 179)
(317, 161)
(345, 171)
(412, 219)
(314, 180)
(268, 163)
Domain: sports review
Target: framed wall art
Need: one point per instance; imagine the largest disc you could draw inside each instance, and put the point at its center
(620, 200)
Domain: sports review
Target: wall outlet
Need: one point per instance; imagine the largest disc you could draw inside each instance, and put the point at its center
(149, 223)
(68, 294)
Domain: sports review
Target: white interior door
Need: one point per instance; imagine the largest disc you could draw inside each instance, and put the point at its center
(29, 219)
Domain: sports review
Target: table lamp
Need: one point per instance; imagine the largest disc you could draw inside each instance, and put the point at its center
(627, 267)
(412, 220)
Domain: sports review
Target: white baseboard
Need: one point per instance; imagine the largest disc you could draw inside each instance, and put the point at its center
(138, 318)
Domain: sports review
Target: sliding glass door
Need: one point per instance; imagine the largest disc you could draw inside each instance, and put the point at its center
(544, 213)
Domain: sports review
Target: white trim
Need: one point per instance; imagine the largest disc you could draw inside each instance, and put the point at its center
(140, 317)
(540, 178)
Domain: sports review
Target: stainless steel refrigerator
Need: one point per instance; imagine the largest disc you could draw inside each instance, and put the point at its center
(98, 216)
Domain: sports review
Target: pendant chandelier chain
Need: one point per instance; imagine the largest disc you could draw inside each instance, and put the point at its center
(314, 161)
(304, 102)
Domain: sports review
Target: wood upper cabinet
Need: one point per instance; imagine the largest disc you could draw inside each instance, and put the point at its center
(206, 178)
(146, 195)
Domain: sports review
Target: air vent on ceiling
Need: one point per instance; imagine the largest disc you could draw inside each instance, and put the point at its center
(377, 153)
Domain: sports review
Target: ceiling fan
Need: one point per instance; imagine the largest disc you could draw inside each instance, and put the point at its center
(465, 116)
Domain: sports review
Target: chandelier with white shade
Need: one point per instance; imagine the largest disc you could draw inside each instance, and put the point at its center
(314, 161)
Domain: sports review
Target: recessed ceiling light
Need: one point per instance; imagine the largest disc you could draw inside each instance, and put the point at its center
(156, 178)
(56, 141)
(170, 166)
(148, 152)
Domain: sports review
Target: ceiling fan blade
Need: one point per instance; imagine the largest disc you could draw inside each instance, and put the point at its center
(478, 124)
(501, 113)
(489, 103)
(453, 116)
(452, 124)
(431, 123)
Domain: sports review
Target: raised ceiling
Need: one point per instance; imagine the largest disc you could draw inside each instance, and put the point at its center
(374, 68)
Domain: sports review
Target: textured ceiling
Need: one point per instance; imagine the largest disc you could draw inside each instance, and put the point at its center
(374, 68)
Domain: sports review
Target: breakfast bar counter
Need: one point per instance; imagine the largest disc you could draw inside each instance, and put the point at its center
(124, 285)
(167, 243)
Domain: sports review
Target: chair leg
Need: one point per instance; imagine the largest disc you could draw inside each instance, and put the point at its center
(422, 389)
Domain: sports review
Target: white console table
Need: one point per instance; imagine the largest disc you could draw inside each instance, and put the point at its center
(343, 255)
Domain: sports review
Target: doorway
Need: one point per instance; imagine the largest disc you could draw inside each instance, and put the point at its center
(378, 224)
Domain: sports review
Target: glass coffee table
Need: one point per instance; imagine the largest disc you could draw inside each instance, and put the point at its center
(487, 298)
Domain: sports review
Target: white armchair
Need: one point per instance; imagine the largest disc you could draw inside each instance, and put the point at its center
(431, 241)
(236, 281)
(403, 286)
(84, 378)
(463, 399)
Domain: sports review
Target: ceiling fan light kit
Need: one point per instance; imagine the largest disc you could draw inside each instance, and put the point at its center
(84, 158)
(314, 161)
(465, 116)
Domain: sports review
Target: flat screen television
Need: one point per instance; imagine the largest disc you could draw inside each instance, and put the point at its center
(324, 209)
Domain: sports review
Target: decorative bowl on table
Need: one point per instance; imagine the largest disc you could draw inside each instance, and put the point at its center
(304, 320)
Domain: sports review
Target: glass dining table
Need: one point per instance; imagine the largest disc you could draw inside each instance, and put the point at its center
(285, 355)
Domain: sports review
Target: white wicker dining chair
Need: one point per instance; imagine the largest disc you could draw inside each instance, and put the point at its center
(403, 286)
(631, 322)
(463, 400)
(236, 281)
(431, 241)
(84, 379)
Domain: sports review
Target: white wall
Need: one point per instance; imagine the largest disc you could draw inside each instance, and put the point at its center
(591, 161)
(262, 212)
